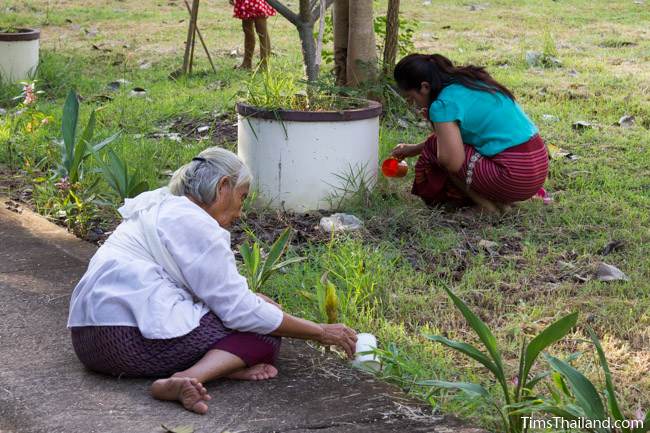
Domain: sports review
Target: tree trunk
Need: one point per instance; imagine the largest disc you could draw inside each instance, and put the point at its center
(341, 21)
(362, 51)
(321, 33)
(392, 36)
(304, 21)
(306, 33)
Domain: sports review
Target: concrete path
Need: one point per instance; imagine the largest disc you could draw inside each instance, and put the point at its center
(43, 388)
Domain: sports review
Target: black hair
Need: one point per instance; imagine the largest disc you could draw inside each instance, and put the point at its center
(439, 72)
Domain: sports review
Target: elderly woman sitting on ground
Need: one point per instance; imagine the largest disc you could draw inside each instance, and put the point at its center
(163, 298)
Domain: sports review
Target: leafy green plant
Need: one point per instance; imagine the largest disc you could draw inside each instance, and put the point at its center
(21, 124)
(66, 203)
(549, 49)
(10, 29)
(407, 29)
(347, 291)
(116, 174)
(574, 397)
(397, 367)
(269, 90)
(258, 268)
(351, 188)
(75, 150)
(350, 270)
(274, 91)
(406, 42)
(548, 58)
(513, 392)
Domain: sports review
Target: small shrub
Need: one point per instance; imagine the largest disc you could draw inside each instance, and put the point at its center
(515, 392)
(124, 184)
(75, 150)
(259, 268)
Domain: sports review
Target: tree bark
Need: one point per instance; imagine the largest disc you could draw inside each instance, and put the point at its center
(392, 36)
(362, 51)
(341, 21)
(306, 33)
(321, 33)
(304, 21)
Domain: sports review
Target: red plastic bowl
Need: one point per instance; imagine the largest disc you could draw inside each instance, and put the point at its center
(392, 167)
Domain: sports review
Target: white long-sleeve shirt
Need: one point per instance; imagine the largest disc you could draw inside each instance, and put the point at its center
(131, 283)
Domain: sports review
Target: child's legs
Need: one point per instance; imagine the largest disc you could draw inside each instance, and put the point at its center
(265, 39)
(249, 42)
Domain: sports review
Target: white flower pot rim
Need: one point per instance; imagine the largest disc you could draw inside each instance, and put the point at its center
(21, 35)
(372, 109)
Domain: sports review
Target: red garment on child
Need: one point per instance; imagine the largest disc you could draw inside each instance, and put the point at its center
(251, 9)
(516, 174)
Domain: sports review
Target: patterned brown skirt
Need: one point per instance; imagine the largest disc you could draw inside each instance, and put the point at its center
(123, 351)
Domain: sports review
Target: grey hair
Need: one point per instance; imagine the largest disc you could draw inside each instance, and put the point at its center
(199, 178)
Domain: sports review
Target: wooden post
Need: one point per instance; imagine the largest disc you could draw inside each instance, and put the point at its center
(198, 32)
(189, 44)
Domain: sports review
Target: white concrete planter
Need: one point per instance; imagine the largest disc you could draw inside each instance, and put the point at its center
(19, 54)
(298, 157)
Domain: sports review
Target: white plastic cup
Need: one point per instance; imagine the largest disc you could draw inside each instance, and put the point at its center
(366, 342)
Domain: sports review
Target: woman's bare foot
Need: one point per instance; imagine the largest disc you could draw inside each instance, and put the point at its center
(256, 372)
(189, 392)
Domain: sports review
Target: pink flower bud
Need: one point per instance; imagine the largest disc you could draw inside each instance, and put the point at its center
(515, 381)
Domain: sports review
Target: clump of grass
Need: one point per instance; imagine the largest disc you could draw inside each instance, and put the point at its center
(616, 43)
(274, 91)
(57, 74)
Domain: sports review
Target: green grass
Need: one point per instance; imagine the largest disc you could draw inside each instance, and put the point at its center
(409, 250)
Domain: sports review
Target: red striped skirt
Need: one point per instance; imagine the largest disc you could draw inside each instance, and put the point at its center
(515, 174)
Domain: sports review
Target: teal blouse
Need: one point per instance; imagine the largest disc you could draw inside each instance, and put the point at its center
(491, 122)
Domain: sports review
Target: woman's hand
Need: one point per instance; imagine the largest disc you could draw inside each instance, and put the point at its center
(269, 300)
(404, 150)
(339, 335)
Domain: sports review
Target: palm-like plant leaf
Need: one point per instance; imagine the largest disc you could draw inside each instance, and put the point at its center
(486, 337)
(260, 269)
(584, 391)
(548, 336)
(69, 128)
(609, 384)
(468, 387)
(467, 349)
